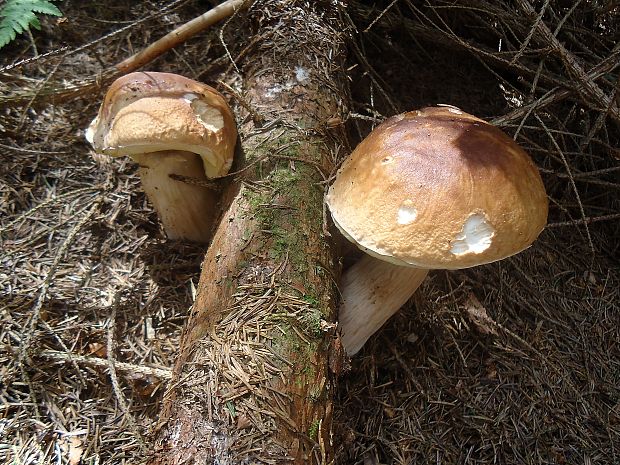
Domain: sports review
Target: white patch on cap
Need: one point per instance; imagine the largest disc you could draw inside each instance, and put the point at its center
(407, 213)
(208, 116)
(475, 237)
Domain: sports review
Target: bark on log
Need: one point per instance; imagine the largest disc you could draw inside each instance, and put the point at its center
(254, 379)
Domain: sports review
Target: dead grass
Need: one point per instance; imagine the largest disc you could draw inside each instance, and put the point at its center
(85, 269)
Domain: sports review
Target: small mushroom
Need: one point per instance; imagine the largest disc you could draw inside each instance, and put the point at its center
(430, 189)
(170, 125)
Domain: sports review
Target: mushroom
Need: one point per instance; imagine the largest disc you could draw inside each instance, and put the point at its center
(435, 188)
(170, 125)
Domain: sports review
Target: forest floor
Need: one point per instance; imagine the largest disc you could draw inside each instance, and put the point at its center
(515, 362)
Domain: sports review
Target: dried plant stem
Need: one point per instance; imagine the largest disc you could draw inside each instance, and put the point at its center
(559, 93)
(97, 362)
(572, 182)
(587, 91)
(23, 357)
(129, 368)
(44, 204)
(588, 220)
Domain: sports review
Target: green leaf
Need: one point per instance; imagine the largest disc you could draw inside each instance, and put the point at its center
(19, 15)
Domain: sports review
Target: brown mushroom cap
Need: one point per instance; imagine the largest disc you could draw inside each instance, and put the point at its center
(438, 188)
(148, 112)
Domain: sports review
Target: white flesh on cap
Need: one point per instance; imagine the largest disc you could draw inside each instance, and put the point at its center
(185, 210)
(372, 291)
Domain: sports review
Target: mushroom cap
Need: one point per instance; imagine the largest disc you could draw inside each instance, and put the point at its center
(439, 188)
(147, 112)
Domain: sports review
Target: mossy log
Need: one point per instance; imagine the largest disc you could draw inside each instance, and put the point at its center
(255, 376)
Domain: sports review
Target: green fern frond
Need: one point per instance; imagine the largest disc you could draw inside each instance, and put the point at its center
(18, 15)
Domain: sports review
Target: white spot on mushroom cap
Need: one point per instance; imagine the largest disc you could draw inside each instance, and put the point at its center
(210, 117)
(475, 237)
(407, 213)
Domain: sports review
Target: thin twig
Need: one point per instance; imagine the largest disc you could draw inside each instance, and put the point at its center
(527, 40)
(160, 11)
(181, 34)
(36, 311)
(163, 373)
(584, 221)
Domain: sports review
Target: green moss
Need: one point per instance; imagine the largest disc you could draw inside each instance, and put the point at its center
(228, 282)
(313, 301)
(308, 371)
(311, 321)
(315, 394)
(298, 352)
(286, 202)
(313, 432)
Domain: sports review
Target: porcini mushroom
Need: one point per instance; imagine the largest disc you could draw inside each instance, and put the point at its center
(430, 189)
(169, 125)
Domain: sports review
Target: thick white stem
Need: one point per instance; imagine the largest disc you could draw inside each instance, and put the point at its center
(187, 211)
(372, 291)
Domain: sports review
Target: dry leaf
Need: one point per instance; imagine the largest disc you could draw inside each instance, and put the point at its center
(71, 447)
(478, 316)
(97, 349)
(243, 422)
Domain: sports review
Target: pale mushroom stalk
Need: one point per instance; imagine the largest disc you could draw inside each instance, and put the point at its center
(185, 210)
(372, 291)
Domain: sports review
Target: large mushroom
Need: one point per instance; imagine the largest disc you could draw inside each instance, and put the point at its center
(435, 188)
(170, 125)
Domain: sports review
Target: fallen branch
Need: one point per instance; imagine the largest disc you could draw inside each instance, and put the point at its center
(254, 380)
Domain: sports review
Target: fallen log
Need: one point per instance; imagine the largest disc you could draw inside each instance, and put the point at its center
(254, 379)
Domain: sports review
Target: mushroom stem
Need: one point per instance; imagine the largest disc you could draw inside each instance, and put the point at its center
(372, 291)
(186, 211)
